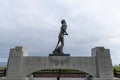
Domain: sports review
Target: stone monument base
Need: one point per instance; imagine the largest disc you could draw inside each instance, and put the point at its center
(20, 65)
(59, 54)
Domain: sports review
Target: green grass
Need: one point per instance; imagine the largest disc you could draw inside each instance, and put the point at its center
(2, 68)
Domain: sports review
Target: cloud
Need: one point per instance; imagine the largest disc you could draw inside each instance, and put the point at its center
(3, 59)
(35, 24)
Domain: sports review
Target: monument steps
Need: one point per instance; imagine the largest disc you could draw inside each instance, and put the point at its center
(60, 79)
(74, 79)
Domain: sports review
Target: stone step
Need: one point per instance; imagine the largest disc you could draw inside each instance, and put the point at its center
(60, 78)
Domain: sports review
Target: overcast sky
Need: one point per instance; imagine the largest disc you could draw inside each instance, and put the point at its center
(35, 24)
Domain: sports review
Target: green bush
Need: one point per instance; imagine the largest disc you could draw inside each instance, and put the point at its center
(2, 68)
(116, 68)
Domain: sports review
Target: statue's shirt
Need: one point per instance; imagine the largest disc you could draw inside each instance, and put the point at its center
(62, 31)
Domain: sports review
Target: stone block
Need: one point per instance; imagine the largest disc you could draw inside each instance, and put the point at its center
(103, 62)
(59, 54)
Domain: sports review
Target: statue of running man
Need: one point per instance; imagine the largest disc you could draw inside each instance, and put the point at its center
(59, 49)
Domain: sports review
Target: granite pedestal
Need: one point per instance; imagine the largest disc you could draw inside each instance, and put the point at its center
(20, 65)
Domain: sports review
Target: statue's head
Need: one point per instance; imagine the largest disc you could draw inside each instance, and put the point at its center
(63, 21)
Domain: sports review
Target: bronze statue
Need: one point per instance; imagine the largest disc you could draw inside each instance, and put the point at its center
(59, 49)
